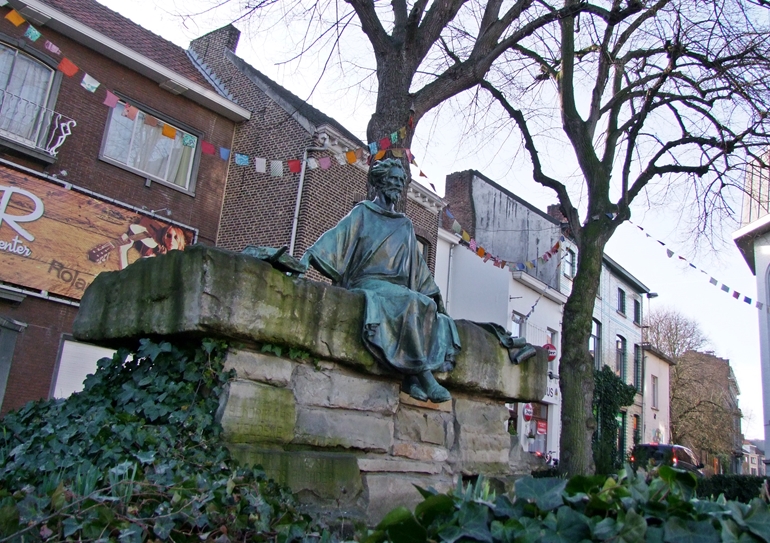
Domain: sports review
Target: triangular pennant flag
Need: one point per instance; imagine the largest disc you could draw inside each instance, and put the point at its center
(713, 281)
(502, 263)
(325, 162)
(456, 228)
(312, 163)
(661, 242)
(670, 253)
(295, 166)
(260, 165)
(224, 153)
(32, 33)
(207, 148)
(111, 100)
(692, 265)
(241, 159)
(168, 131)
(423, 175)
(725, 288)
(15, 17)
(351, 156)
(67, 67)
(52, 47)
(276, 168)
(89, 83)
(682, 258)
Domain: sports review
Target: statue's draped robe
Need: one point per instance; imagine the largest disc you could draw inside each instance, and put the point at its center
(375, 251)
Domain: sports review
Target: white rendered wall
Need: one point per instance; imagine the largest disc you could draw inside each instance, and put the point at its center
(656, 419)
(762, 267)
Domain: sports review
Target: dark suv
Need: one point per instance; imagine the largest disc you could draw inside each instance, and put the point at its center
(656, 454)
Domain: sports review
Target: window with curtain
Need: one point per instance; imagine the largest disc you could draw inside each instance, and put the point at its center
(25, 87)
(149, 146)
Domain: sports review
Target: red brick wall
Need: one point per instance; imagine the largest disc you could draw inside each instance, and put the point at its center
(460, 201)
(37, 347)
(36, 350)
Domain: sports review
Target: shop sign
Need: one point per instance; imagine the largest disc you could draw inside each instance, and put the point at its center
(57, 239)
(542, 427)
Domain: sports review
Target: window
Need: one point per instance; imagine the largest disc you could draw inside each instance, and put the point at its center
(622, 430)
(638, 368)
(595, 343)
(552, 336)
(753, 459)
(654, 387)
(620, 357)
(621, 301)
(570, 264)
(26, 88)
(423, 246)
(637, 312)
(153, 148)
(637, 427)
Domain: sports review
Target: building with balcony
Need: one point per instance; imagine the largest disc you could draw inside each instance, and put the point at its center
(110, 140)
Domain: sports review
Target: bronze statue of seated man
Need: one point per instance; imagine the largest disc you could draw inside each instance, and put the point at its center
(374, 250)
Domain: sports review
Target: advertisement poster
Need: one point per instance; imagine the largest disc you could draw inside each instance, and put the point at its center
(57, 239)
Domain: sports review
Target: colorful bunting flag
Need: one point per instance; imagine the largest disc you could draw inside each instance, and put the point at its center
(276, 168)
(760, 305)
(456, 228)
(260, 165)
(52, 47)
(736, 295)
(312, 163)
(15, 17)
(472, 245)
(385, 143)
(351, 157)
(67, 67)
(379, 155)
(394, 137)
(241, 159)
(466, 236)
(32, 33)
(89, 83)
(713, 281)
(398, 153)
(725, 288)
(111, 100)
(747, 300)
(402, 132)
(341, 158)
(168, 131)
(423, 175)
(325, 162)
(295, 166)
(670, 253)
(188, 140)
(224, 153)
(149, 120)
(481, 251)
(130, 111)
(373, 148)
(208, 148)
(359, 154)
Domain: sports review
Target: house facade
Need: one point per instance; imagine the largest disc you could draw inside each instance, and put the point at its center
(656, 425)
(105, 130)
(753, 460)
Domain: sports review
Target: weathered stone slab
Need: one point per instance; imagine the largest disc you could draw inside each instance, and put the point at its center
(204, 291)
(255, 413)
(405, 398)
(387, 492)
(343, 428)
(421, 426)
(417, 451)
(260, 367)
(315, 477)
(480, 416)
(331, 388)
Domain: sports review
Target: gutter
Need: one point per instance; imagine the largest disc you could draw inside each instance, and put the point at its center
(40, 14)
(295, 220)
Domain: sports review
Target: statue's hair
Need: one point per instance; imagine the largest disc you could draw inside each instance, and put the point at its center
(381, 168)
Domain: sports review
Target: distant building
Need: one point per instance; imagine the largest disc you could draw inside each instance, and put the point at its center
(753, 459)
(656, 417)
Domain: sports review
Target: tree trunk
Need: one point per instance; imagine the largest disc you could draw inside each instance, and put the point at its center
(576, 369)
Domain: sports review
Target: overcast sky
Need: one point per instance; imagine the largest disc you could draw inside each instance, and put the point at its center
(441, 148)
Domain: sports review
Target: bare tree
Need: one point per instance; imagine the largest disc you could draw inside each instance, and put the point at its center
(673, 334)
(648, 96)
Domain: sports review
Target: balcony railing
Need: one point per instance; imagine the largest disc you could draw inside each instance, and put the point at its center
(32, 125)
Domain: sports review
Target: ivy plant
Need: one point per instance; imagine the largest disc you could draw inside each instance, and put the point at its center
(610, 395)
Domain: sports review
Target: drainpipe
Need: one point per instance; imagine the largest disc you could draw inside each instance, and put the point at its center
(449, 277)
(295, 221)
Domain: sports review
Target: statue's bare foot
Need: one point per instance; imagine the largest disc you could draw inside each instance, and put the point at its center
(436, 393)
(412, 386)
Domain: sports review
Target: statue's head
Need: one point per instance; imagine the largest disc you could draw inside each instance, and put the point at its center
(388, 178)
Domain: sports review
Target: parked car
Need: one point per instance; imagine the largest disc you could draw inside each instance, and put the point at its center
(656, 454)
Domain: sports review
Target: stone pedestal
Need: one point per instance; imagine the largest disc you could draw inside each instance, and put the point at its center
(323, 417)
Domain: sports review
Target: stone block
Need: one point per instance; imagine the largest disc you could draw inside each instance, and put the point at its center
(333, 388)
(250, 412)
(387, 491)
(421, 426)
(315, 477)
(343, 428)
(481, 416)
(260, 367)
(417, 451)
(405, 398)
(483, 453)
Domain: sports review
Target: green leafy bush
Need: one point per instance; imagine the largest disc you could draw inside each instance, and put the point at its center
(742, 488)
(623, 508)
(138, 456)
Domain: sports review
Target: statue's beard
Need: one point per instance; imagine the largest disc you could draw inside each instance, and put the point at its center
(394, 195)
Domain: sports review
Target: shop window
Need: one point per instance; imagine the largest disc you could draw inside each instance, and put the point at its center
(152, 147)
(76, 361)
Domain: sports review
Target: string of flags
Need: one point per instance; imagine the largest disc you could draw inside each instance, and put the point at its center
(471, 244)
(712, 280)
(275, 168)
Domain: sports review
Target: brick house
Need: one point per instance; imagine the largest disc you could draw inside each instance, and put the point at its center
(296, 208)
(89, 183)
